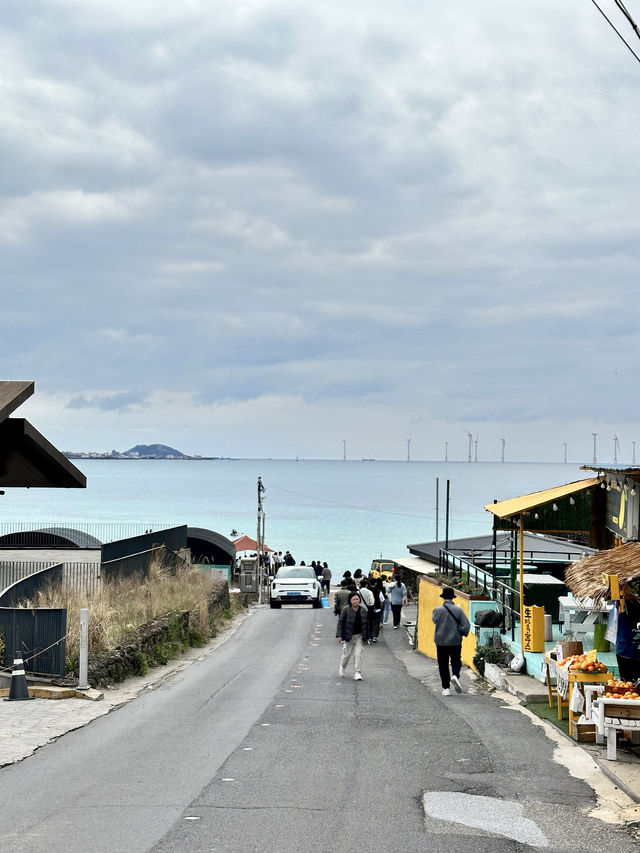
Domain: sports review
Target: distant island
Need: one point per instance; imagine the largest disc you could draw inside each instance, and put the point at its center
(140, 451)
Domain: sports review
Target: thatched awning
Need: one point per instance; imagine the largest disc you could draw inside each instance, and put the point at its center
(584, 578)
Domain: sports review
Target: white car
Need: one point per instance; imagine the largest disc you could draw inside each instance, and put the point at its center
(295, 585)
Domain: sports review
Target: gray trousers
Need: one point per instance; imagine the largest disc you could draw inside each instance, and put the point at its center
(355, 646)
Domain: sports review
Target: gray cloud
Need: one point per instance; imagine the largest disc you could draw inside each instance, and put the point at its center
(424, 208)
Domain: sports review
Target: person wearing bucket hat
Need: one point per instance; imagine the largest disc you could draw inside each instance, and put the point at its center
(451, 626)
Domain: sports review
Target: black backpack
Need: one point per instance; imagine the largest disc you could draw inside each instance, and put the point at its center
(488, 619)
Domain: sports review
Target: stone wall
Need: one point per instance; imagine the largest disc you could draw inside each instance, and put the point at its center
(126, 660)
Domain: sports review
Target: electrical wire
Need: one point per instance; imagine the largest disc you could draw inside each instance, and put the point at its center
(615, 29)
(426, 517)
(624, 11)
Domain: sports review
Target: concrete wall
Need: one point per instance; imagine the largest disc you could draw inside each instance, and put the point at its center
(428, 600)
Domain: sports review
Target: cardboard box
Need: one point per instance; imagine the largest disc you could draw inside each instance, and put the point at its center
(585, 732)
(573, 647)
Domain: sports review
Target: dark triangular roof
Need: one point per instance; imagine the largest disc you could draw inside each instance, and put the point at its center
(27, 459)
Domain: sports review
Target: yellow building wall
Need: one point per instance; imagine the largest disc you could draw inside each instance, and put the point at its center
(428, 600)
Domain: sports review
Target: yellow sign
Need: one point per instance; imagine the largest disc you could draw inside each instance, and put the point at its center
(592, 656)
(613, 582)
(532, 628)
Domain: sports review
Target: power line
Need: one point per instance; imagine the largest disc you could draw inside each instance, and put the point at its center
(622, 8)
(425, 517)
(615, 29)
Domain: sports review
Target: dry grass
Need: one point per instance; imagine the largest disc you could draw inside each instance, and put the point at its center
(118, 610)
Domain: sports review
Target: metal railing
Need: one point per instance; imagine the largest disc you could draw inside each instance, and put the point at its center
(507, 598)
(71, 534)
(529, 555)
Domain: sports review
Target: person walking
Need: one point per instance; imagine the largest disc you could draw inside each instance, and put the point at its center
(397, 598)
(326, 578)
(451, 626)
(377, 588)
(353, 633)
(369, 602)
(341, 598)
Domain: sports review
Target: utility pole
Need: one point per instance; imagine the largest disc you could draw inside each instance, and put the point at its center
(595, 458)
(408, 450)
(260, 539)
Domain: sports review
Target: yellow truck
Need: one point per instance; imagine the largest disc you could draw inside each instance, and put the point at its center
(383, 568)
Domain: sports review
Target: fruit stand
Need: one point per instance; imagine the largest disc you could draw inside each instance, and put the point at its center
(616, 711)
(576, 669)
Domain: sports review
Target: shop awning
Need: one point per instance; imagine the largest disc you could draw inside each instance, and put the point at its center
(525, 503)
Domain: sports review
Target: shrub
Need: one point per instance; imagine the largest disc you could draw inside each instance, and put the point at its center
(140, 663)
(121, 606)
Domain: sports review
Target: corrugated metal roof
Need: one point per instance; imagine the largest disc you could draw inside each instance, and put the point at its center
(516, 506)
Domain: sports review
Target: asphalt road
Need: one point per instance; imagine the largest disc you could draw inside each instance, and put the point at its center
(261, 746)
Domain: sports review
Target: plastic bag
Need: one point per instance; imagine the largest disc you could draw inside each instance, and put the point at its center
(611, 633)
(518, 663)
(577, 700)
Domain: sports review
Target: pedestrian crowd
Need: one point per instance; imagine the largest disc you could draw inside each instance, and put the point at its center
(362, 606)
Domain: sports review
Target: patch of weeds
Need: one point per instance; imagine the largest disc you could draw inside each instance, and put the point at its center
(162, 653)
(140, 664)
(227, 613)
(196, 638)
(485, 654)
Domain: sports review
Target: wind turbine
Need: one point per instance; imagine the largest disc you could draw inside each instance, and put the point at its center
(616, 449)
(470, 437)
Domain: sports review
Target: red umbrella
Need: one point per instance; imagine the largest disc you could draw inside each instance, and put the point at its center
(246, 543)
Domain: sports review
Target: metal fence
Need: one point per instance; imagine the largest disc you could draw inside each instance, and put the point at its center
(92, 534)
(82, 577)
(39, 635)
(507, 598)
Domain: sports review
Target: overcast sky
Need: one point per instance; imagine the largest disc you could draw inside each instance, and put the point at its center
(265, 228)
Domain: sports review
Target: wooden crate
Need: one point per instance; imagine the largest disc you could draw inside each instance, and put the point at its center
(623, 709)
(585, 732)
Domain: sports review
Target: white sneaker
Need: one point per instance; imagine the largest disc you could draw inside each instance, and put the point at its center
(357, 677)
(456, 683)
(446, 692)
(341, 671)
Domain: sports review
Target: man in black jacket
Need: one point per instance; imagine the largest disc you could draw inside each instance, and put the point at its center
(353, 633)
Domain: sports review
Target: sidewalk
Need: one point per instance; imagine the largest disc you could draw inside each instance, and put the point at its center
(27, 725)
(624, 772)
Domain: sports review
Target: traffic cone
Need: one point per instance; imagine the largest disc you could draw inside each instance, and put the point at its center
(18, 689)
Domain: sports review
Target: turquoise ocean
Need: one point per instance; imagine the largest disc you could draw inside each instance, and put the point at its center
(344, 512)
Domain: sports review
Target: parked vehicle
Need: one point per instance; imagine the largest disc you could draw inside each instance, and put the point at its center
(295, 585)
(383, 568)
